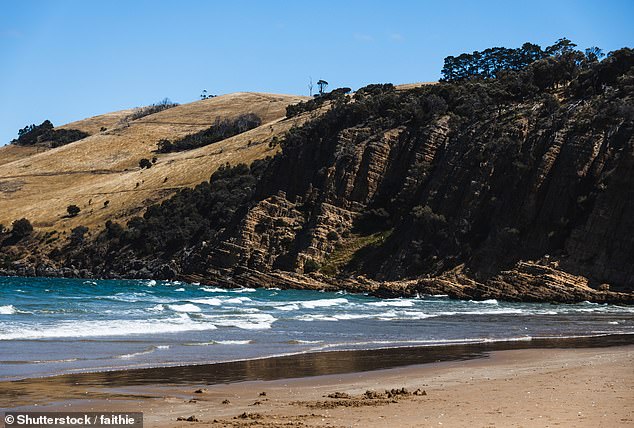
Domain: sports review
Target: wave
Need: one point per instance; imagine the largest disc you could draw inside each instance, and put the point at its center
(213, 290)
(382, 316)
(303, 342)
(187, 307)
(393, 302)
(8, 310)
(371, 344)
(251, 321)
(501, 311)
(70, 329)
(243, 290)
(180, 289)
(485, 302)
(237, 300)
(211, 301)
(289, 307)
(322, 303)
(137, 354)
(220, 342)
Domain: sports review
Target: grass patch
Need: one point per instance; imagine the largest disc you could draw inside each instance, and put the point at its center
(346, 250)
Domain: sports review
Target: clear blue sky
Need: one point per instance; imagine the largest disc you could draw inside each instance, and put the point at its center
(66, 60)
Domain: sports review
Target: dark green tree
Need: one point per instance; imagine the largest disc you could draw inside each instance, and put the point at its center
(145, 163)
(21, 229)
(73, 210)
(322, 86)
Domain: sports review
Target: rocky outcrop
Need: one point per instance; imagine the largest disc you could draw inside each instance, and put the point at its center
(494, 189)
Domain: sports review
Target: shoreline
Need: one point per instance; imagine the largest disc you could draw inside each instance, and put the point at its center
(460, 349)
(301, 365)
(520, 387)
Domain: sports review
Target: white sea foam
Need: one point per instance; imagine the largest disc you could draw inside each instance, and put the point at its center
(98, 328)
(404, 315)
(486, 302)
(137, 354)
(220, 342)
(243, 290)
(315, 317)
(393, 302)
(151, 283)
(187, 307)
(180, 289)
(212, 301)
(8, 310)
(351, 316)
(289, 307)
(322, 303)
(252, 321)
(501, 311)
(213, 290)
(237, 300)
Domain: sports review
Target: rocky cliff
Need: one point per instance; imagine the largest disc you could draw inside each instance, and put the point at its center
(496, 188)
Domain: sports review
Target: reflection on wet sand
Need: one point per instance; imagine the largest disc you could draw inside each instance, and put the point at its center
(92, 385)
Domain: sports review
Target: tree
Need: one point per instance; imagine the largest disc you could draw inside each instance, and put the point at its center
(73, 210)
(322, 86)
(560, 47)
(145, 163)
(21, 228)
(310, 86)
(594, 54)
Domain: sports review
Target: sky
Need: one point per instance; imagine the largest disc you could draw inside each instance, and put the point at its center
(67, 60)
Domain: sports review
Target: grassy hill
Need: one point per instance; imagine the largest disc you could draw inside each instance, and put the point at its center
(39, 184)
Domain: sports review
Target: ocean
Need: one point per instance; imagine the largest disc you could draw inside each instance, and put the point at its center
(51, 326)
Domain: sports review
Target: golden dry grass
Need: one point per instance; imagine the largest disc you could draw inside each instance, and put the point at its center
(104, 166)
(406, 86)
(10, 153)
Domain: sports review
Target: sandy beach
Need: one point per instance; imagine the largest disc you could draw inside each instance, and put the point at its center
(588, 387)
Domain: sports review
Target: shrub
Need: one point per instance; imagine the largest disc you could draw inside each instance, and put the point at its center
(220, 130)
(73, 210)
(338, 94)
(44, 134)
(140, 112)
(21, 229)
(311, 265)
(145, 163)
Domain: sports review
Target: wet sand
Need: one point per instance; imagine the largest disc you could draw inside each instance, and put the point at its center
(580, 386)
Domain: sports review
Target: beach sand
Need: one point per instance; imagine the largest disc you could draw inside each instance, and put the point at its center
(583, 387)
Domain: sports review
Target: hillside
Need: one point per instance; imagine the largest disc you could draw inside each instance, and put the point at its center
(39, 184)
(510, 179)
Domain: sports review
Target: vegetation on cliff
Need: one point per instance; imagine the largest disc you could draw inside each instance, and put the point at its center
(44, 135)
(517, 155)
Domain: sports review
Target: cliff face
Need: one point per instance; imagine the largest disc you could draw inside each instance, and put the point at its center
(517, 187)
(497, 188)
(526, 198)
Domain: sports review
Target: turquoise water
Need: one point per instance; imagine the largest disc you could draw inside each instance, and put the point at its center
(51, 326)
